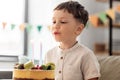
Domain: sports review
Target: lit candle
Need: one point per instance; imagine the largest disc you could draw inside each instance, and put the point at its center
(40, 53)
(32, 51)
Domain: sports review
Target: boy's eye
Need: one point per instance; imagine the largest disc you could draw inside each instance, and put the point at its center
(63, 22)
(54, 22)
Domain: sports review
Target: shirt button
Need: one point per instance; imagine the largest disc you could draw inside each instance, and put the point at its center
(59, 71)
(61, 57)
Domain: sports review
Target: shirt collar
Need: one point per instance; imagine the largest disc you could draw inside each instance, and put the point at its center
(70, 49)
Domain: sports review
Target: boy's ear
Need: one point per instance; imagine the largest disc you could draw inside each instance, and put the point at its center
(79, 29)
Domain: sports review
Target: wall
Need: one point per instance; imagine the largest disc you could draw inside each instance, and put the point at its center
(40, 12)
(91, 35)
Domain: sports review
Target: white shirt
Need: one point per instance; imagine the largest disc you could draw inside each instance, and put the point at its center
(76, 63)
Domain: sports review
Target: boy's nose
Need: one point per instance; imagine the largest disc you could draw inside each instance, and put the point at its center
(56, 25)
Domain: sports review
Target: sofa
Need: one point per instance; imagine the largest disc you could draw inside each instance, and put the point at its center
(110, 67)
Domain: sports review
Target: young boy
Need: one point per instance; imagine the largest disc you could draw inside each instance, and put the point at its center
(73, 61)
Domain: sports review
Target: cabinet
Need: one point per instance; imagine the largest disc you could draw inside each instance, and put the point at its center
(114, 30)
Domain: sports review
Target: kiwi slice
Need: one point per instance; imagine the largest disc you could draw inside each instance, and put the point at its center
(28, 65)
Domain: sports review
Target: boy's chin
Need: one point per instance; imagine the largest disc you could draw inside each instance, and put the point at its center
(57, 40)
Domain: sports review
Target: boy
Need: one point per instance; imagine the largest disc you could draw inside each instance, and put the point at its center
(73, 61)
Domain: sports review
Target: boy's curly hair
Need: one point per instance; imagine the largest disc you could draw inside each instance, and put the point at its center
(76, 9)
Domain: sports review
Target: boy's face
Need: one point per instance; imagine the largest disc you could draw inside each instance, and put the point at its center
(65, 27)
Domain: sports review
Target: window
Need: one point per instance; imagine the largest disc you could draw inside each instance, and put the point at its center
(11, 40)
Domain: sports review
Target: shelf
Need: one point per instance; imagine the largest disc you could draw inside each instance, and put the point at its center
(106, 26)
(116, 25)
(111, 25)
(107, 0)
(101, 53)
(102, 0)
(116, 52)
(116, 0)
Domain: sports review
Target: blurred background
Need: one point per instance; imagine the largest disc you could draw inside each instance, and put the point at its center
(25, 34)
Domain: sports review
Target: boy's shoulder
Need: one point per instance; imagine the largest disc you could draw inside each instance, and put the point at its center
(85, 50)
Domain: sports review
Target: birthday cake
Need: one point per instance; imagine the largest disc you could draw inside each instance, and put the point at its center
(28, 71)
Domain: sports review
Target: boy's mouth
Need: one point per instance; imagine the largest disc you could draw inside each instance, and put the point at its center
(56, 33)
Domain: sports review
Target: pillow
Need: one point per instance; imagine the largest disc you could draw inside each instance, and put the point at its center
(110, 68)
